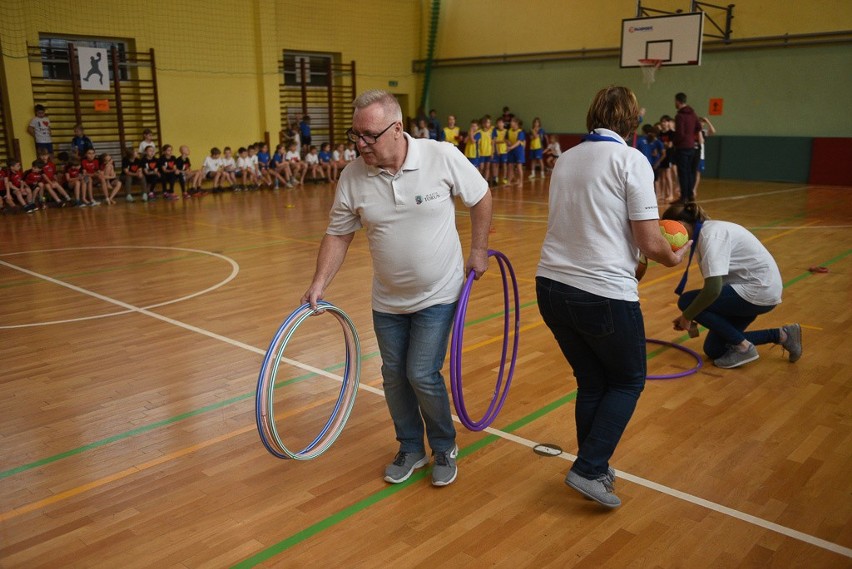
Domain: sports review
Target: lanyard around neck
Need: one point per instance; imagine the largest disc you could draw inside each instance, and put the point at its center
(595, 137)
(682, 284)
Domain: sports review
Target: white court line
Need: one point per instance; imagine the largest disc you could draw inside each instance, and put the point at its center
(756, 195)
(178, 323)
(764, 228)
(235, 269)
(736, 514)
(748, 518)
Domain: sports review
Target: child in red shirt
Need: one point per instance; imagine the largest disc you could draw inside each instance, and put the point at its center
(16, 186)
(90, 170)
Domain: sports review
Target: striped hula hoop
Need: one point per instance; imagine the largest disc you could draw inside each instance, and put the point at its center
(264, 400)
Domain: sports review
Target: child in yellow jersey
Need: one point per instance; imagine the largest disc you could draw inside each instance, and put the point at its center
(486, 148)
(450, 133)
(537, 138)
(471, 143)
(501, 151)
(517, 147)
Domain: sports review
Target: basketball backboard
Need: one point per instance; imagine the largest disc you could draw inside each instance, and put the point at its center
(674, 40)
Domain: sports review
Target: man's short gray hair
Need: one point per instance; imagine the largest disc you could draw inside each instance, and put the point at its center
(377, 96)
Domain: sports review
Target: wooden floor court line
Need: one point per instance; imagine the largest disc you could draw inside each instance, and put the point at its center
(652, 485)
(235, 270)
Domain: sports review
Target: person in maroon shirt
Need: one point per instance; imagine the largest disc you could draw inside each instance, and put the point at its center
(687, 127)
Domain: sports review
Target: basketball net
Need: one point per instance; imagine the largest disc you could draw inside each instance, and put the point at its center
(649, 70)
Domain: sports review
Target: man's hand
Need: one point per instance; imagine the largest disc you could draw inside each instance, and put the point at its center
(476, 262)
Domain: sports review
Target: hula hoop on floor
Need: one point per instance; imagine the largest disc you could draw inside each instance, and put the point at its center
(698, 361)
(499, 397)
(264, 400)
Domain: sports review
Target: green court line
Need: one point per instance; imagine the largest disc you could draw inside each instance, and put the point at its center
(350, 511)
(177, 418)
(836, 259)
(225, 403)
(162, 423)
(389, 490)
(497, 314)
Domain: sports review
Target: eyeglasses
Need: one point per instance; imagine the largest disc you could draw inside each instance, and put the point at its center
(368, 139)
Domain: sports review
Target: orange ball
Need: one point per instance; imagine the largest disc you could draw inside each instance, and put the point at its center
(674, 232)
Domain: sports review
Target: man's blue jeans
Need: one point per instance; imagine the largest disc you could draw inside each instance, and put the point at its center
(413, 348)
(604, 341)
(726, 320)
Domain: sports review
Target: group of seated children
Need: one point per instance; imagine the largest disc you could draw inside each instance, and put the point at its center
(81, 172)
(148, 170)
(256, 168)
(30, 189)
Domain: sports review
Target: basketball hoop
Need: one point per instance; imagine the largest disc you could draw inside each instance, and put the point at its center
(649, 70)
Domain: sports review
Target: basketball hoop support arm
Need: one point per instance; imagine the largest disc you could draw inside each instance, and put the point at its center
(724, 34)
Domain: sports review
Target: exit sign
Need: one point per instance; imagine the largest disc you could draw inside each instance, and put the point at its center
(393, 83)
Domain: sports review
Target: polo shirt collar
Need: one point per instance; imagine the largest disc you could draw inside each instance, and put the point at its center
(610, 133)
(412, 158)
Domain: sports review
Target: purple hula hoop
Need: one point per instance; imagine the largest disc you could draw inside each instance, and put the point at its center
(698, 361)
(499, 397)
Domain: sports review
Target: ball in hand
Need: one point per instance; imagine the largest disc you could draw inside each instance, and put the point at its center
(674, 232)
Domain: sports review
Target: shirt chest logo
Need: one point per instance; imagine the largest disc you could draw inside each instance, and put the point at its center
(427, 198)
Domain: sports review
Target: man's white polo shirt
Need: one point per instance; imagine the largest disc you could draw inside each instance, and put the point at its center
(410, 222)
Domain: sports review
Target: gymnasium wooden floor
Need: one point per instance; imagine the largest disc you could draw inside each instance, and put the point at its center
(131, 338)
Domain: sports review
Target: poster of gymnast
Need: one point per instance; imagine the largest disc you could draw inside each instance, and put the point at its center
(94, 68)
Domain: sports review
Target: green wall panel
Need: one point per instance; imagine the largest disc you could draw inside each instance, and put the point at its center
(777, 159)
(800, 91)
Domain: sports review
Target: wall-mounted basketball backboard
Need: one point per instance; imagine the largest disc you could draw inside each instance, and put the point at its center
(673, 40)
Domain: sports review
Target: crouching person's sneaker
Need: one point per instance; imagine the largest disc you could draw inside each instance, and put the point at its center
(444, 470)
(793, 343)
(403, 465)
(736, 358)
(600, 489)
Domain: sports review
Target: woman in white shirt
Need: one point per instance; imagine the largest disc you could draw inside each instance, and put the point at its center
(741, 282)
(602, 214)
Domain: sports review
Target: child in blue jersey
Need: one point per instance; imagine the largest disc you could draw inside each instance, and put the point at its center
(517, 146)
(327, 166)
(537, 144)
(279, 168)
(263, 163)
(654, 151)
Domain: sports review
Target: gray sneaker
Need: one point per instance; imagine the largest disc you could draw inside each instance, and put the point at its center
(403, 465)
(793, 343)
(600, 490)
(610, 476)
(129, 198)
(735, 358)
(444, 470)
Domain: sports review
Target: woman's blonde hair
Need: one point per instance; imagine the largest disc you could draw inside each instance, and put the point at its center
(614, 108)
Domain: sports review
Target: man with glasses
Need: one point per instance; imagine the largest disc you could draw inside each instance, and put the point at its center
(401, 190)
